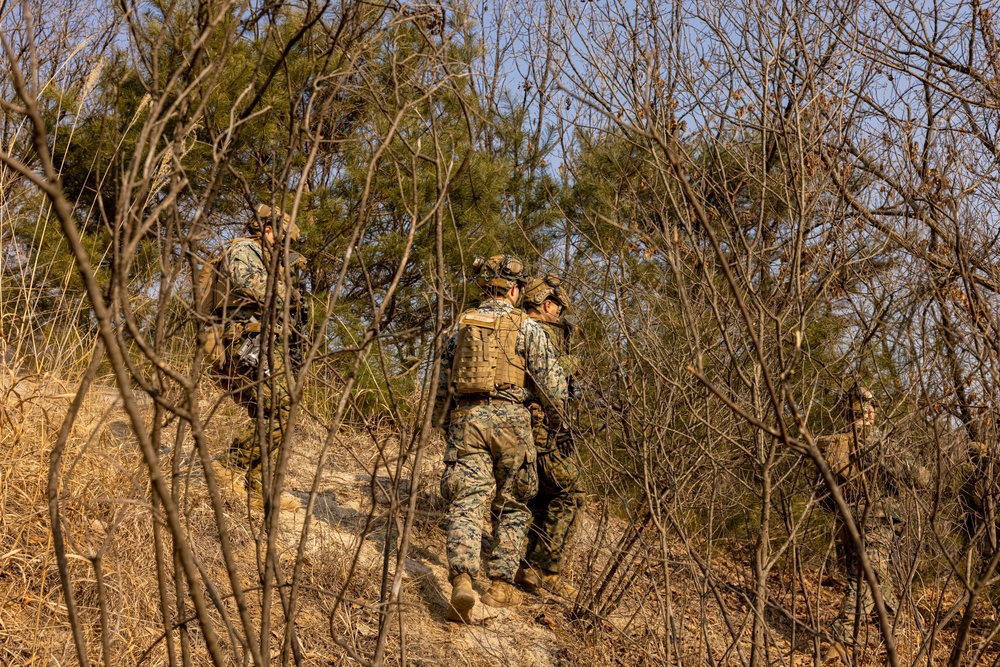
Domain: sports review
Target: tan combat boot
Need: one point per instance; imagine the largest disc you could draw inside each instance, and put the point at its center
(290, 503)
(226, 477)
(555, 584)
(287, 503)
(502, 594)
(528, 579)
(463, 598)
(532, 578)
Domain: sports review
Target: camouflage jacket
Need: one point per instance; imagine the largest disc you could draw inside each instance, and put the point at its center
(246, 262)
(547, 382)
(872, 474)
(559, 334)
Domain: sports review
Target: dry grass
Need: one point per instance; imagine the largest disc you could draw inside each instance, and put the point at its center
(106, 511)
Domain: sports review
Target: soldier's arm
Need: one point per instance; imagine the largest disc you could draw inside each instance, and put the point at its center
(895, 461)
(442, 395)
(545, 371)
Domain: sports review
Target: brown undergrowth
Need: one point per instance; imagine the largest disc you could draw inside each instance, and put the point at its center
(108, 520)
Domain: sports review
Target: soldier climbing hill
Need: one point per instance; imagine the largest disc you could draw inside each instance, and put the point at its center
(872, 476)
(233, 290)
(556, 509)
(498, 361)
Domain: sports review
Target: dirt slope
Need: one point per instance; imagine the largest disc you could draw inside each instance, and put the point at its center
(105, 505)
(349, 518)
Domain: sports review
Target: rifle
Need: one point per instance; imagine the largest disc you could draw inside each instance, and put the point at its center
(569, 325)
(299, 335)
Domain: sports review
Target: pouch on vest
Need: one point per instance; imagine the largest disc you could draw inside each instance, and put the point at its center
(215, 351)
(474, 368)
(510, 367)
(206, 294)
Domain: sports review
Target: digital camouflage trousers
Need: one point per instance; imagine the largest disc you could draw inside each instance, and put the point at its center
(269, 398)
(555, 510)
(881, 544)
(490, 455)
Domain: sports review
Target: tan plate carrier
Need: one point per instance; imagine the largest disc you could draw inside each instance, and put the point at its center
(486, 358)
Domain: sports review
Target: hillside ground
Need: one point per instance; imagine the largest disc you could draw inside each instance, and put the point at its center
(105, 507)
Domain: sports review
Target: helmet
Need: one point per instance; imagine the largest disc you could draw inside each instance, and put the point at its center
(855, 399)
(499, 271)
(264, 212)
(862, 396)
(550, 287)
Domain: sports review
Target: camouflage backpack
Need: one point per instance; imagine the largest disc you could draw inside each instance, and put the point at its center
(212, 295)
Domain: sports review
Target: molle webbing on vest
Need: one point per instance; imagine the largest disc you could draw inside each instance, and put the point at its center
(474, 367)
(509, 365)
(486, 358)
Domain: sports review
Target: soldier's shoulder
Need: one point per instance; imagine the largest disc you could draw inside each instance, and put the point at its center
(242, 246)
(529, 325)
(475, 311)
(536, 338)
(553, 329)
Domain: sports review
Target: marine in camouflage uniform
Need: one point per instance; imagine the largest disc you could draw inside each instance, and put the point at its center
(556, 508)
(241, 289)
(980, 496)
(871, 476)
(490, 452)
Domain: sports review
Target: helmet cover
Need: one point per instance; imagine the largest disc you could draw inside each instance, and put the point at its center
(264, 212)
(550, 287)
(502, 271)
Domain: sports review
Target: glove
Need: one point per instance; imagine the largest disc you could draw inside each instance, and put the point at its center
(565, 441)
(554, 418)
